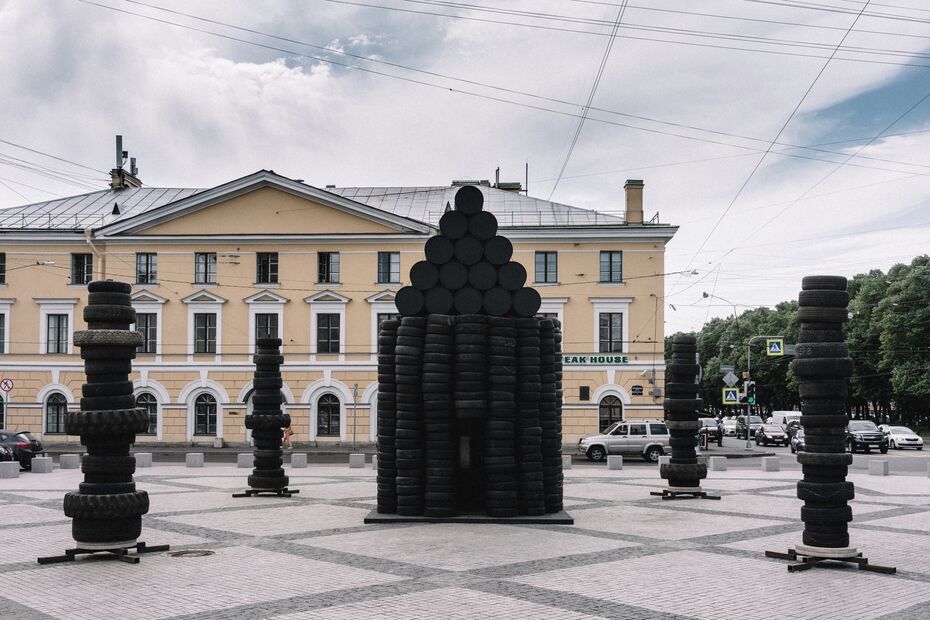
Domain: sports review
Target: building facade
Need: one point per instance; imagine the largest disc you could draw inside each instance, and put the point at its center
(213, 269)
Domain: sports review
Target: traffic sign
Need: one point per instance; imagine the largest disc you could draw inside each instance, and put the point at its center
(774, 347)
(725, 368)
(730, 396)
(730, 379)
(6, 385)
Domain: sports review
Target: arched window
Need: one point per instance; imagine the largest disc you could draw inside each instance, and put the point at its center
(2, 414)
(56, 407)
(147, 401)
(610, 411)
(327, 416)
(205, 415)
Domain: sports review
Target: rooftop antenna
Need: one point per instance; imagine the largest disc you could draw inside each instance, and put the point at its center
(121, 155)
(526, 183)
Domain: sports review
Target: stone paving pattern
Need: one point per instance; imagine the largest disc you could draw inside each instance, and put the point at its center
(311, 557)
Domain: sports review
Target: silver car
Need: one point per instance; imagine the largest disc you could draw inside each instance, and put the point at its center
(646, 438)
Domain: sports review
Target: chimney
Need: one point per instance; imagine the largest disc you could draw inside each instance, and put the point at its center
(634, 201)
(119, 178)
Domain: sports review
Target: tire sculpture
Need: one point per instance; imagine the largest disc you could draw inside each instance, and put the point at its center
(469, 382)
(267, 422)
(683, 472)
(107, 510)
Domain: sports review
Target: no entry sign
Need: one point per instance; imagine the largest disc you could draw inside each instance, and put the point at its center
(6, 385)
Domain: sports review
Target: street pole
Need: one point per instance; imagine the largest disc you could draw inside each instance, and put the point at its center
(354, 406)
(749, 378)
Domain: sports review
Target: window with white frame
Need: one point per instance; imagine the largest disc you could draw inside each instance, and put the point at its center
(57, 335)
(266, 325)
(388, 267)
(205, 268)
(266, 268)
(82, 268)
(146, 267)
(147, 325)
(3, 333)
(328, 267)
(612, 266)
(56, 409)
(205, 414)
(204, 332)
(547, 267)
(327, 333)
(327, 416)
(2, 267)
(610, 325)
(150, 404)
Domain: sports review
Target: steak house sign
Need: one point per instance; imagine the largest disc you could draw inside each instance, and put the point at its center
(595, 359)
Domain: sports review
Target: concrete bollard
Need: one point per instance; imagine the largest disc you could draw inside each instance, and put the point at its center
(69, 461)
(143, 459)
(566, 461)
(244, 460)
(928, 470)
(878, 467)
(9, 469)
(217, 442)
(771, 463)
(374, 462)
(356, 460)
(298, 460)
(664, 460)
(42, 465)
(717, 463)
(615, 462)
(194, 459)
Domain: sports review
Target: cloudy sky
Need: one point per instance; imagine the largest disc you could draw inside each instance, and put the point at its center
(783, 137)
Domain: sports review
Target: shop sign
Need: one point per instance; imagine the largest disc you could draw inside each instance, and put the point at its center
(595, 359)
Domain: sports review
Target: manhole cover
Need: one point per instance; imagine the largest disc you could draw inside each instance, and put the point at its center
(191, 553)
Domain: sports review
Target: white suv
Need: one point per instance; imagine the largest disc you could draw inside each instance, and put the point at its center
(647, 438)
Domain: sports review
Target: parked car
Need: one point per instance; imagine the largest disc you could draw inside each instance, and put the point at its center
(772, 434)
(900, 437)
(709, 426)
(797, 441)
(729, 427)
(754, 423)
(784, 418)
(23, 445)
(6, 453)
(646, 438)
(864, 435)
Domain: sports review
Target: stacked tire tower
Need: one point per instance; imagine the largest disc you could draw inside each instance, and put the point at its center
(469, 381)
(683, 472)
(823, 366)
(107, 509)
(267, 421)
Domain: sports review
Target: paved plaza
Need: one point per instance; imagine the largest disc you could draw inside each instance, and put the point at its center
(629, 555)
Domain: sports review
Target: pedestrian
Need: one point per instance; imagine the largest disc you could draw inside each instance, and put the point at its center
(286, 440)
(720, 430)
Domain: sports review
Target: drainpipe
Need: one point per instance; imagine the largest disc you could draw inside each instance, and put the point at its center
(88, 238)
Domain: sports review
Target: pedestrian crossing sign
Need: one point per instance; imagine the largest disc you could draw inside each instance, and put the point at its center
(774, 347)
(730, 396)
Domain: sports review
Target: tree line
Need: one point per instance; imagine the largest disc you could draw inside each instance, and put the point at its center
(888, 336)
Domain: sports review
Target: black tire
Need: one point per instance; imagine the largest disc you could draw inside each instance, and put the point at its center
(817, 516)
(596, 454)
(468, 300)
(820, 314)
(453, 224)
(106, 488)
(118, 315)
(829, 283)
(681, 390)
(837, 390)
(409, 301)
(512, 276)
(826, 492)
(468, 250)
(109, 286)
(469, 200)
(115, 388)
(482, 226)
(684, 370)
(482, 275)
(115, 465)
(820, 335)
(106, 530)
(824, 459)
(272, 421)
(107, 422)
(653, 453)
(267, 383)
(439, 250)
(108, 353)
(439, 300)
(823, 367)
(821, 349)
(683, 405)
(824, 298)
(120, 506)
(267, 401)
(424, 275)
(263, 482)
(526, 302)
(108, 299)
(498, 250)
(497, 301)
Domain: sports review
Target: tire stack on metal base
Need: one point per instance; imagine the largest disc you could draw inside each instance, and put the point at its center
(267, 422)
(823, 366)
(529, 391)
(107, 509)
(502, 450)
(441, 449)
(550, 419)
(410, 437)
(682, 404)
(387, 418)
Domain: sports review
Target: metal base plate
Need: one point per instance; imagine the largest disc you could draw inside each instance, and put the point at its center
(113, 552)
(807, 562)
(555, 518)
(684, 493)
(285, 492)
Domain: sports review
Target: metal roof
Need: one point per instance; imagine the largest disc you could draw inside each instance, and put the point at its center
(512, 209)
(91, 210)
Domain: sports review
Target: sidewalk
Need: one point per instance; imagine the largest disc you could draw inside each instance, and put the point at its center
(629, 554)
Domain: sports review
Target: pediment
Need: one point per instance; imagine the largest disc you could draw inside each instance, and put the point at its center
(147, 297)
(265, 297)
(385, 296)
(327, 296)
(203, 297)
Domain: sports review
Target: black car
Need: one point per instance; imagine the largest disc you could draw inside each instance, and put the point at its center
(709, 426)
(6, 454)
(754, 423)
(771, 434)
(23, 445)
(793, 427)
(864, 435)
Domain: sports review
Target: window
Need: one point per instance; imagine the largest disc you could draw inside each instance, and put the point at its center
(266, 268)
(205, 268)
(327, 333)
(2, 414)
(2, 267)
(204, 332)
(547, 267)
(266, 325)
(611, 266)
(146, 267)
(388, 267)
(327, 416)
(205, 415)
(658, 429)
(56, 408)
(386, 316)
(328, 268)
(147, 401)
(82, 268)
(637, 429)
(147, 325)
(56, 340)
(547, 315)
(2, 333)
(610, 411)
(611, 332)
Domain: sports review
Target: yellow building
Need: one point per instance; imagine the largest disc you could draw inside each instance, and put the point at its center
(214, 268)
